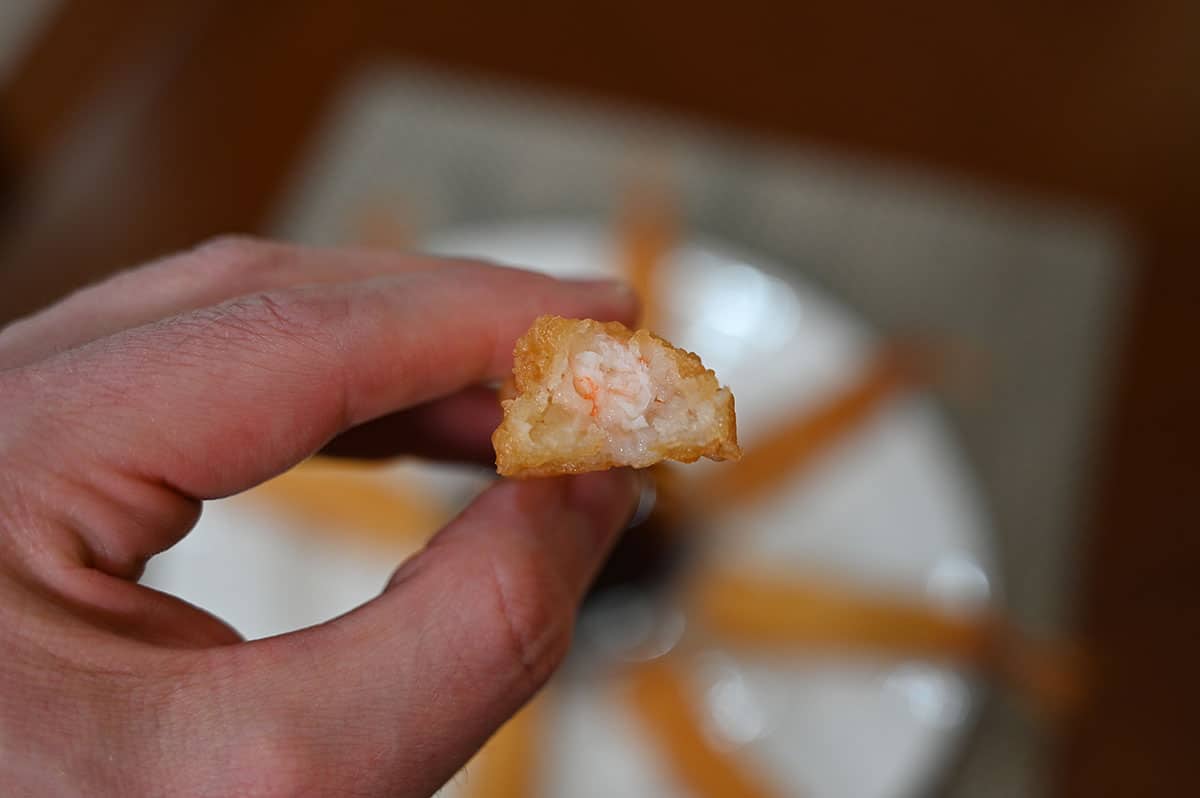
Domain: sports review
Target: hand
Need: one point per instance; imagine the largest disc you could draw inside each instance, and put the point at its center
(128, 404)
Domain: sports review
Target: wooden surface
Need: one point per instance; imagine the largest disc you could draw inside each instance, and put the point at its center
(138, 127)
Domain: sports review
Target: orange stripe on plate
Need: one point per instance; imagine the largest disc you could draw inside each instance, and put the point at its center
(661, 700)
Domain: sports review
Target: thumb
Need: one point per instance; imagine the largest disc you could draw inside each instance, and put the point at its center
(394, 697)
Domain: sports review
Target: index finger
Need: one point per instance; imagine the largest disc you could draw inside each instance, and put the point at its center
(208, 274)
(217, 400)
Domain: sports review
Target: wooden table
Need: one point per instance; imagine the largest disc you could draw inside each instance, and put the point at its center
(136, 127)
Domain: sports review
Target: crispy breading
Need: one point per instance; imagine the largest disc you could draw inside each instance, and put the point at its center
(592, 396)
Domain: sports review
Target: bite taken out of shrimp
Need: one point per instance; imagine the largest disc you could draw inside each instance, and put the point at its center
(591, 396)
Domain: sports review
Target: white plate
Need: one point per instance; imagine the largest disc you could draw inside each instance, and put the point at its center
(893, 506)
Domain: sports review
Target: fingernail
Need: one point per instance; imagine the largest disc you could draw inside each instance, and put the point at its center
(617, 288)
(614, 290)
(623, 303)
(647, 497)
(607, 499)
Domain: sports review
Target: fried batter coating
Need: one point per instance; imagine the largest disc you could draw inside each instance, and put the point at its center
(592, 396)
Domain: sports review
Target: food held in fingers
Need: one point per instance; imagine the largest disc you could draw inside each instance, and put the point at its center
(592, 395)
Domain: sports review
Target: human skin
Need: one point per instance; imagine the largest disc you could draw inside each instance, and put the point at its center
(128, 404)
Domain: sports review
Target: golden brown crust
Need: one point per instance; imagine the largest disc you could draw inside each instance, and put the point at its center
(541, 438)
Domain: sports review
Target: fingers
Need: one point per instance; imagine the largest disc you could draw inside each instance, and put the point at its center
(215, 401)
(212, 273)
(411, 684)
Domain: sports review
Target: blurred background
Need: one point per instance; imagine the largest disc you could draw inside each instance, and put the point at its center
(1016, 188)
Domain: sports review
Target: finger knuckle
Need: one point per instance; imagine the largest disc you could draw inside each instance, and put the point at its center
(234, 247)
(527, 601)
(235, 257)
(293, 313)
